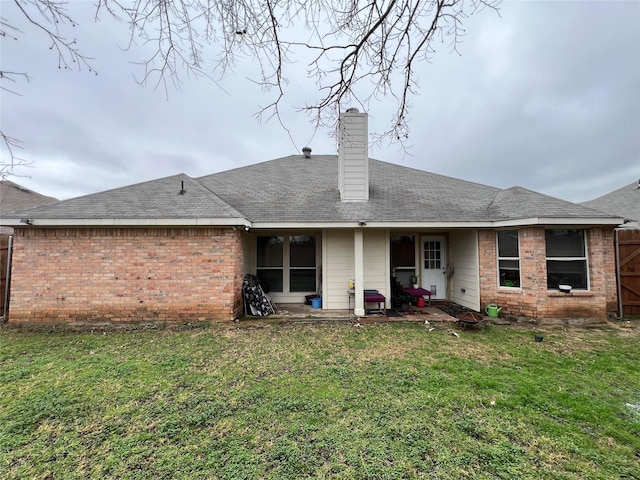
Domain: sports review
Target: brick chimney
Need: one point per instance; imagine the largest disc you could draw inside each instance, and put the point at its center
(353, 156)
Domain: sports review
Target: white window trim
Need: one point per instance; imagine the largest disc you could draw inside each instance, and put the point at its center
(498, 258)
(566, 259)
(415, 268)
(280, 268)
(286, 261)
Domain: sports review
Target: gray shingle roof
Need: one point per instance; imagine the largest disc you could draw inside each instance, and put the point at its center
(294, 189)
(154, 199)
(15, 197)
(623, 202)
(518, 202)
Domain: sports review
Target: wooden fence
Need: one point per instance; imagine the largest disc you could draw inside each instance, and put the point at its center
(628, 255)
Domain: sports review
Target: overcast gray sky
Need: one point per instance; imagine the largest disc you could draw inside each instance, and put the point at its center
(545, 96)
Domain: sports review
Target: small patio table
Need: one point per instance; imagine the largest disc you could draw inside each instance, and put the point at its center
(418, 292)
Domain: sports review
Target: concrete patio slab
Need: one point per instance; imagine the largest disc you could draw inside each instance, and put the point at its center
(300, 311)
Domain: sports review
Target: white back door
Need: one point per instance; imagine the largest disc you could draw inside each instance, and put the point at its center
(433, 276)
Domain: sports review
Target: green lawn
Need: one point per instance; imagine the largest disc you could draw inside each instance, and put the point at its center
(279, 401)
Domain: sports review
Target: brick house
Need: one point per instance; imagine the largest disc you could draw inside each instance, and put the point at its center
(177, 248)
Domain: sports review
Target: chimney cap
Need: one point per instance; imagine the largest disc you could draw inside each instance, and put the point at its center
(306, 151)
(352, 110)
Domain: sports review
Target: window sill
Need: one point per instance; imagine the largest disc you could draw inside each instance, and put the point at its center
(572, 293)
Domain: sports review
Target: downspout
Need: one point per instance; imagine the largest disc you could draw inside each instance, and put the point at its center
(7, 285)
(619, 285)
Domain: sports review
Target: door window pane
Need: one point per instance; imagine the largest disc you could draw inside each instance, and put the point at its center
(432, 254)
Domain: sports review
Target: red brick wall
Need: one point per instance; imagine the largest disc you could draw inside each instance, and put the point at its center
(533, 299)
(126, 274)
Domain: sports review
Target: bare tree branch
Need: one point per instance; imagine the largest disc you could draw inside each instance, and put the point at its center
(46, 16)
(355, 51)
(54, 13)
(7, 167)
(360, 51)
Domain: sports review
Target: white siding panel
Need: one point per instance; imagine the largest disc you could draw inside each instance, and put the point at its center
(340, 263)
(376, 268)
(248, 253)
(353, 171)
(463, 248)
(338, 269)
(353, 157)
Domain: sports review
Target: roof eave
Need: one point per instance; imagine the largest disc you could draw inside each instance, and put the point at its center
(600, 221)
(127, 222)
(364, 223)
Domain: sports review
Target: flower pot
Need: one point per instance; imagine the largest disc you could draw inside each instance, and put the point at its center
(415, 285)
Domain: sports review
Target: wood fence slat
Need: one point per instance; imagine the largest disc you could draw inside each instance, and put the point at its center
(629, 270)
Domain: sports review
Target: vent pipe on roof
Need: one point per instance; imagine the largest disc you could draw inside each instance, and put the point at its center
(182, 190)
(306, 151)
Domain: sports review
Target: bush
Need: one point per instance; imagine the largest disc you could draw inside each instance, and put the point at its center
(398, 295)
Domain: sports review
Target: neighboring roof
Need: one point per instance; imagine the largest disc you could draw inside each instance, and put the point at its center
(14, 197)
(294, 190)
(623, 202)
